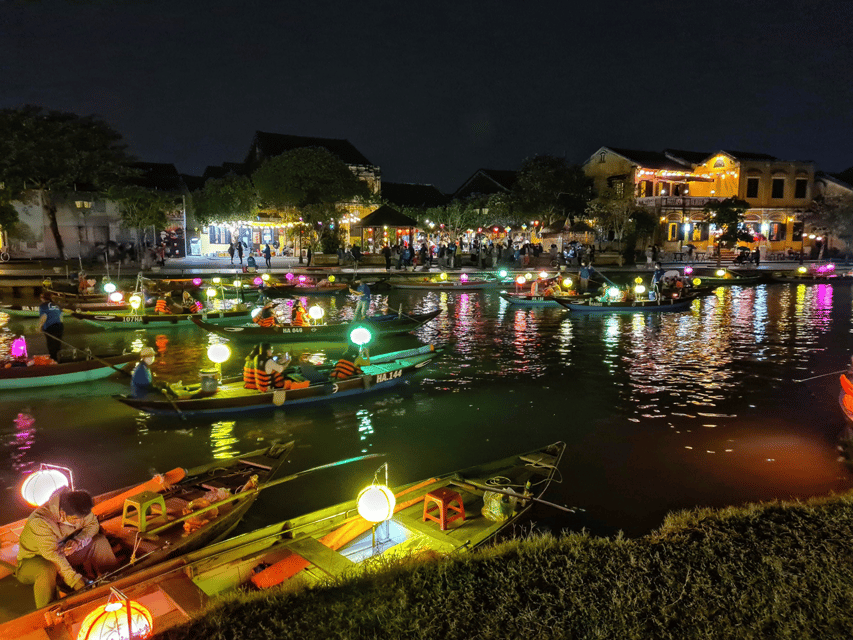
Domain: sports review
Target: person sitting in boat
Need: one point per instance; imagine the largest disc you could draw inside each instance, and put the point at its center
(190, 304)
(300, 316)
(62, 537)
(349, 365)
(308, 371)
(142, 380)
(266, 318)
(269, 371)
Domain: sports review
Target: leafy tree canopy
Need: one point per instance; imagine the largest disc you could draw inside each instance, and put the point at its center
(140, 207)
(452, 219)
(226, 199)
(727, 215)
(548, 188)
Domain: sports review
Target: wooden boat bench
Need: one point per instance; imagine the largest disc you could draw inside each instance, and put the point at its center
(327, 560)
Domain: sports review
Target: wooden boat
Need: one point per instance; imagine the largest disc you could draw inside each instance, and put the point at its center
(661, 305)
(527, 300)
(32, 311)
(382, 325)
(138, 321)
(83, 368)
(727, 280)
(165, 537)
(446, 285)
(384, 371)
(316, 546)
(812, 277)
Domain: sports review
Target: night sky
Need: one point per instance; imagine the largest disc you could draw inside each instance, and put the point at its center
(433, 91)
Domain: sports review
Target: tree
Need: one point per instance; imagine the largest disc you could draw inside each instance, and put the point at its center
(454, 218)
(226, 199)
(832, 213)
(50, 152)
(140, 207)
(614, 210)
(549, 189)
(311, 182)
(727, 215)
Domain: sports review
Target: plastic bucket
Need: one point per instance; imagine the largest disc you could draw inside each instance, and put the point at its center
(209, 383)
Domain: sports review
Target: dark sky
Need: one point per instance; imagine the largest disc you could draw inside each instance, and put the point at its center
(433, 91)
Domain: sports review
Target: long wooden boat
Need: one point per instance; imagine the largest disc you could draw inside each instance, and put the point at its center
(384, 372)
(528, 300)
(661, 305)
(137, 321)
(729, 279)
(83, 368)
(32, 311)
(811, 277)
(381, 325)
(165, 537)
(303, 290)
(331, 542)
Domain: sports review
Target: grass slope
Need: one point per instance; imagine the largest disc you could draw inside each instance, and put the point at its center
(776, 570)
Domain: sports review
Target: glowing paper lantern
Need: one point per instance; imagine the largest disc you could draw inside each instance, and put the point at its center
(442, 276)
(463, 277)
(302, 279)
(638, 280)
(567, 282)
(360, 336)
(543, 274)
(288, 277)
(237, 284)
(211, 293)
(613, 292)
(688, 270)
(316, 312)
(256, 312)
(109, 287)
(197, 282)
(502, 273)
(520, 280)
(19, 347)
(258, 281)
(116, 296)
(218, 353)
(640, 289)
(265, 277)
(376, 503)
(117, 620)
(135, 301)
(721, 272)
(331, 278)
(528, 276)
(217, 280)
(40, 485)
(801, 269)
(697, 282)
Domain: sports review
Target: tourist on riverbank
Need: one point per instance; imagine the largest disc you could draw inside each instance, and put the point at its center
(231, 252)
(240, 250)
(268, 256)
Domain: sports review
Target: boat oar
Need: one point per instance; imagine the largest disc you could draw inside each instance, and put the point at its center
(470, 484)
(823, 375)
(259, 488)
(94, 357)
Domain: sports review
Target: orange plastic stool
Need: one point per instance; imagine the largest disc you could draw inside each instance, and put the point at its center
(444, 499)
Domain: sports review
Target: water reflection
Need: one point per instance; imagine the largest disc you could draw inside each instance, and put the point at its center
(365, 429)
(222, 439)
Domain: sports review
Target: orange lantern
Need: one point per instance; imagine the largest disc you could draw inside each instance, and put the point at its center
(119, 619)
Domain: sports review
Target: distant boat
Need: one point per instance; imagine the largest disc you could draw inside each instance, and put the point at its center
(663, 305)
(82, 368)
(527, 300)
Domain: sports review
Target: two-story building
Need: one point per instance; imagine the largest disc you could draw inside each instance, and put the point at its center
(678, 184)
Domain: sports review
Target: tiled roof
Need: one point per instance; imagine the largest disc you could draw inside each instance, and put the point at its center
(749, 155)
(274, 144)
(693, 157)
(156, 175)
(649, 159)
(486, 182)
(412, 195)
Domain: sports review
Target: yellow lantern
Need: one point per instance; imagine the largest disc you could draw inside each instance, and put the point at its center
(265, 277)
(567, 282)
(41, 484)
(443, 276)
(211, 293)
(638, 280)
(316, 312)
(376, 503)
(697, 282)
(528, 276)
(217, 280)
(801, 269)
(119, 619)
(237, 284)
(135, 301)
(331, 278)
(218, 353)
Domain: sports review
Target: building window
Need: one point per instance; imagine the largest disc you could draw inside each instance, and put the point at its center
(800, 187)
(778, 191)
(83, 204)
(601, 157)
(752, 187)
(620, 189)
(674, 232)
(777, 231)
(797, 232)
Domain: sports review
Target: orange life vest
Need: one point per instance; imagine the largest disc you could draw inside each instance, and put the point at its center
(264, 380)
(264, 322)
(249, 374)
(161, 307)
(300, 318)
(345, 369)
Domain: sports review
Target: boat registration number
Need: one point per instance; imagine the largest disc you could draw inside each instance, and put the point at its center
(132, 319)
(291, 329)
(390, 375)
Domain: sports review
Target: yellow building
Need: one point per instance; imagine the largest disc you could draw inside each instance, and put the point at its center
(677, 185)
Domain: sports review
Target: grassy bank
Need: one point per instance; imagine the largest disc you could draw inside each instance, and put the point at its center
(776, 570)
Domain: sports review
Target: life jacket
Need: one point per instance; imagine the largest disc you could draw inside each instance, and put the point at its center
(345, 369)
(161, 306)
(300, 318)
(263, 380)
(249, 374)
(197, 306)
(264, 322)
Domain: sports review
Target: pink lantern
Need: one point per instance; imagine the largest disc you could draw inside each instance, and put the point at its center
(463, 277)
(289, 277)
(302, 279)
(197, 282)
(19, 347)
(688, 270)
(258, 281)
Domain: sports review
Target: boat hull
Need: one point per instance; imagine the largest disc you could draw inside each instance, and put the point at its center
(133, 322)
(525, 300)
(664, 306)
(61, 374)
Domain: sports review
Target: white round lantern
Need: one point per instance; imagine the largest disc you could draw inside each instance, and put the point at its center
(376, 503)
(40, 485)
(218, 353)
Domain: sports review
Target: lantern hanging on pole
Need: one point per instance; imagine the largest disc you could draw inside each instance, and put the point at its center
(119, 619)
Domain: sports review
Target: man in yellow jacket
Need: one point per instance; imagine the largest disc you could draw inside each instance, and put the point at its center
(60, 535)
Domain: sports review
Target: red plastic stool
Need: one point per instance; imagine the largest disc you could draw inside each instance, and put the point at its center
(444, 499)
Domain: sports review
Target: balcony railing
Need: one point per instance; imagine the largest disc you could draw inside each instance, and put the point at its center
(676, 202)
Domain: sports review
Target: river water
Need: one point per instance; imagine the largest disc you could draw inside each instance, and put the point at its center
(660, 412)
